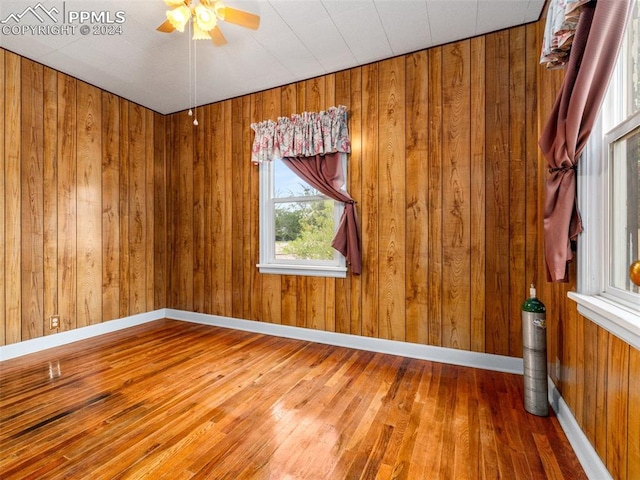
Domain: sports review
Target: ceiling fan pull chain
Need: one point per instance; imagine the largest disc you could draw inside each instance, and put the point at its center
(190, 67)
(195, 83)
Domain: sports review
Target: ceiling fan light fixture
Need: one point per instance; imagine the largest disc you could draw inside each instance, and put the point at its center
(178, 17)
(205, 18)
(199, 34)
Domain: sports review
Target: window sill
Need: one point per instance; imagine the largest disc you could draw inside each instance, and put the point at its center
(306, 270)
(620, 321)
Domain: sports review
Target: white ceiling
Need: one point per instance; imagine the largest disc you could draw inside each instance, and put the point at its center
(297, 40)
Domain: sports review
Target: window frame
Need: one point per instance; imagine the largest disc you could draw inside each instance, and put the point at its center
(614, 311)
(335, 268)
(617, 133)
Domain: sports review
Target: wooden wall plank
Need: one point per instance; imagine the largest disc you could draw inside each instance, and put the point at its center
(602, 380)
(252, 228)
(32, 195)
(206, 115)
(417, 205)
(531, 154)
(316, 293)
(236, 199)
(434, 189)
(633, 432)
(288, 300)
(13, 195)
(477, 194)
(569, 357)
(580, 373)
(3, 190)
(199, 220)
(517, 187)
(301, 305)
(227, 206)
(124, 192)
(391, 199)
(588, 420)
(50, 232)
(111, 280)
(617, 407)
(149, 199)
(67, 193)
(354, 183)
(369, 202)
(184, 218)
(497, 206)
(456, 178)
(89, 205)
(160, 225)
(171, 198)
(137, 209)
(219, 195)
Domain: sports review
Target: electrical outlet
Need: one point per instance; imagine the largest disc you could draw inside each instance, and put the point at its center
(54, 322)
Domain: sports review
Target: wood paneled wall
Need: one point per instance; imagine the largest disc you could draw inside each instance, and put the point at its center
(82, 203)
(448, 178)
(445, 172)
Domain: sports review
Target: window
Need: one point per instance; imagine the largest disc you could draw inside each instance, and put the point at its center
(608, 181)
(297, 225)
(624, 157)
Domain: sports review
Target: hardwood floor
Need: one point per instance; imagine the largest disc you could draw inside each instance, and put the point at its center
(176, 400)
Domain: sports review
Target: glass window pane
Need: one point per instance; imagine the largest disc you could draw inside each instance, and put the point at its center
(624, 209)
(288, 184)
(304, 230)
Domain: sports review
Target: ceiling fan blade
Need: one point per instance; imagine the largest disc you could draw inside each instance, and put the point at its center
(166, 27)
(242, 18)
(217, 37)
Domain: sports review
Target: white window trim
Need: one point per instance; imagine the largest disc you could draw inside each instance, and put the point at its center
(593, 303)
(320, 268)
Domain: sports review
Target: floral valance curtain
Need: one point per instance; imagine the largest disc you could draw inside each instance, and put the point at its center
(301, 135)
(562, 21)
(310, 144)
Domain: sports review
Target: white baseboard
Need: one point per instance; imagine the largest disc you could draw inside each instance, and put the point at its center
(58, 339)
(452, 356)
(424, 352)
(587, 455)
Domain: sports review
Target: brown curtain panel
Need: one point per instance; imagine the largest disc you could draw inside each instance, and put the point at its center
(324, 172)
(593, 56)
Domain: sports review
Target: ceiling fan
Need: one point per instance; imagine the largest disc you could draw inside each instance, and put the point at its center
(205, 15)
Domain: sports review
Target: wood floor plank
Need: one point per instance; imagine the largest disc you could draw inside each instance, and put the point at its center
(176, 400)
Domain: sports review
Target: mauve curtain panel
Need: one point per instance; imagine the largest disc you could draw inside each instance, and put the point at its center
(591, 62)
(324, 172)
